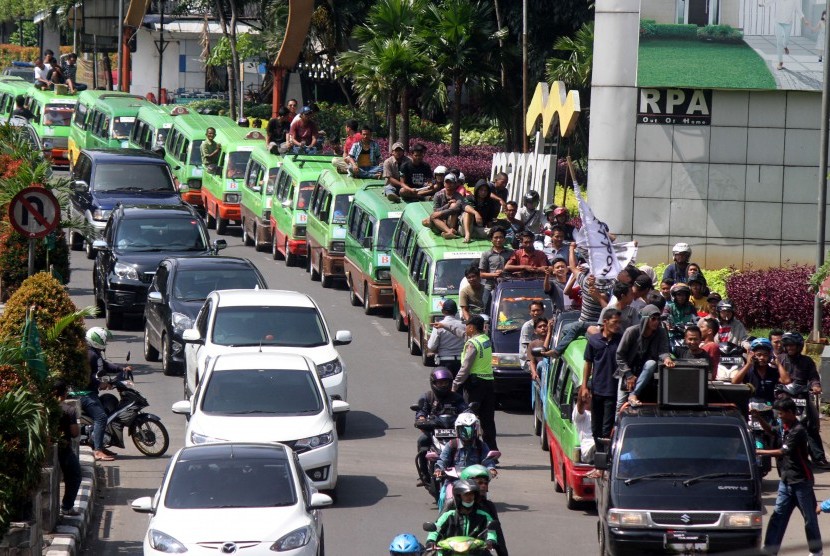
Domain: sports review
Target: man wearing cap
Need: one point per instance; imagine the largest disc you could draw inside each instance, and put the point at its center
(712, 301)
(560, 215)
(641, 347)
(303, 133)
(364, 157)
(446, 341)
(642, 285)
(392, 169)
(447, 206)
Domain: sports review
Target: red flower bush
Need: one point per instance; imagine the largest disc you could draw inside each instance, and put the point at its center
(475, 162)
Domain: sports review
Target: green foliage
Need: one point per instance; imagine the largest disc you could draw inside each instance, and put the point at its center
(29, 34)
(247, 46)
(715, 279)
(66, 352)
(649, 29)
(720, 33)
(575, 68)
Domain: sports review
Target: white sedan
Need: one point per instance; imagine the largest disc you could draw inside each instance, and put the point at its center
(267, 397)
(223, 498)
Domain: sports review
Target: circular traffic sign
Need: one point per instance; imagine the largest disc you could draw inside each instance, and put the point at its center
(34, 212)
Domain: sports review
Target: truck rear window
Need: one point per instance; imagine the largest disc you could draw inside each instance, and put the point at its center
(652, 448)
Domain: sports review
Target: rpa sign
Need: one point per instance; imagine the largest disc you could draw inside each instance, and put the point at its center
(675, 106)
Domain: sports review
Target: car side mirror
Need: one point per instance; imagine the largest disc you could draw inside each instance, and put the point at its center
(181, 407)
(192, 336)
(339, 406)
(342, 338)
(324, 215)
(155, 297)
(143, 505)
(430, 527)
(286, 203)
(219, 244)
(177, 168)
(601, 460)
(100, 245)
(80, 186)
(319, 500)
(256, 188)
(159, 151)
(422, 284)
(566, 411)
(366, 242)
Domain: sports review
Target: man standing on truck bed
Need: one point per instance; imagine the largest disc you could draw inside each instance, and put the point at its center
(795, 489)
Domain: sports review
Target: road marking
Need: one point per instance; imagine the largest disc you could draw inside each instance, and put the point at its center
(379, 327)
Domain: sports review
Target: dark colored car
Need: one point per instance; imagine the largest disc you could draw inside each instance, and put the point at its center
(176, 294)
(509, 311)
(135, 241)
(104, 178)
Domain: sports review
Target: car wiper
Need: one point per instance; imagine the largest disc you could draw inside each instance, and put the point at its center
(633, 480)
(126, 189)
(251, 411)
(194, 299)
(693, 480)
(509, 330)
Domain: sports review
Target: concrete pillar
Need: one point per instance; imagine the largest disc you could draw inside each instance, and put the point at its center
(613, 113)
(51, 37)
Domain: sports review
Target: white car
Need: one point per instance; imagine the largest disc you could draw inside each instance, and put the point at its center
(275, 321)
(267, 397)
(223, 498)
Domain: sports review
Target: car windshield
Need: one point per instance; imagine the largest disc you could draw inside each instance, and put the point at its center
(132, 177)
(269, 326)
(121, 127)
(161, 136)
(196, 285)
(448, 275)
(59, 115)
(237, 161)
(160, 234)
(267, 391)
(306, 189)
(341, 208)
(385, 232)
(514, 307)
(705, 448)
(196, 153)
(237, 482)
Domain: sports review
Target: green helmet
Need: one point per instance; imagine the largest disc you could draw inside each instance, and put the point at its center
(474, 472)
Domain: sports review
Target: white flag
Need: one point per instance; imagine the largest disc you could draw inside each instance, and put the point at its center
(602, 256)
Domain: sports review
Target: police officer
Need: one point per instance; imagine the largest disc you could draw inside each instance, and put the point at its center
(447, 340)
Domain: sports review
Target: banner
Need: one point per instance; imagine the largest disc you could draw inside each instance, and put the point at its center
(602, 254)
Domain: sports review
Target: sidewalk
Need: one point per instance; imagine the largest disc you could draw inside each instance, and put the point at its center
(69, 535)
(802, 70)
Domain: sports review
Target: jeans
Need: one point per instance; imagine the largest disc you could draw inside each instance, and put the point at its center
(782, 39)
(304, 150)
(790, 496)
(92, 407)
(390, 189)
(481, 391)
(569, 333)
(602, 416)
(643, 379)
(364, 172)
(71, 471)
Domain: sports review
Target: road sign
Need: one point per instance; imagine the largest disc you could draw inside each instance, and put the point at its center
(34, 212)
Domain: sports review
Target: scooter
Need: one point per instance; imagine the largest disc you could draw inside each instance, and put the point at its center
(448, 478)
(806, 402)
(731, 361)
(441, 430)
(761, 438)
(458, 546)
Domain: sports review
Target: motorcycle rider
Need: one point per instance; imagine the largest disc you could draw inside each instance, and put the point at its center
(760, 373)
(529, 214)
(731, 329)
(405, 543)
(680, 310)
(466, 519)
(802, 371)
(466, 449)
(775, 336)
(96, 339)
(431, 404)
(678, 270)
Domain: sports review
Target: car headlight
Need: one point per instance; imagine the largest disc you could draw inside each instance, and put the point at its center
(741, 520)
(231, 197)
(294, 539)
(338, 246)
(298, 231)
(197, 438)
(313, 442)
(384, 274)
(165, 543)
(181, 322)
(329, 369)
(622, 518)
(194, 183)
(101, 215)
(506, 360)
(125, 271)
(266, 215)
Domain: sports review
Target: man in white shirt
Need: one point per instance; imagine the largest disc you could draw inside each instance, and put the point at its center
(582, 419)
(785, 12)
(40, 75)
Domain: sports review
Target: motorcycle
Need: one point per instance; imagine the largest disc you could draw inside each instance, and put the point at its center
(441, 430)
(761, 410)
(458, 546)
(448, 478)
(677, 337)
(146, 429)
(806, 402)
(731, 360)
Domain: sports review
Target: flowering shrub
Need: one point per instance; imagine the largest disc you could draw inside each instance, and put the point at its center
(715, 279)
(14, 258)
(475, 162)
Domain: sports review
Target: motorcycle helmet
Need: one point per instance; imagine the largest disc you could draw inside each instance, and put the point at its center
(791, 338)
(725, 305)
(461, 487)
(680, 288)
(549, 209)
(97, 337)
(473, 472)
(760, 343)
(531, 197)
(558, 211)
(440, 373)
(439, 170)
(681, 248)
(467, 427)
(405, 543)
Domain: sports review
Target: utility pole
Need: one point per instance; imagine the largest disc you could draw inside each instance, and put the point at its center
(822, 185)
(525, 144)
(120, 42)
(161, 46)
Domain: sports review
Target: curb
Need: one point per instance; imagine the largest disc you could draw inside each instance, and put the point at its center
(67, 540)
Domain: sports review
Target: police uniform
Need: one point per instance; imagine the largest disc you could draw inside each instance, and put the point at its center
(476, 376)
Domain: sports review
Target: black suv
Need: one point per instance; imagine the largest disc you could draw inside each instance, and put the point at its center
(176, 294)
(104, 178)
(135, 240)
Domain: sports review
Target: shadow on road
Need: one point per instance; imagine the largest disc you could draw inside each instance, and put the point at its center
(359, 491)
(362, 425)
(114, 547)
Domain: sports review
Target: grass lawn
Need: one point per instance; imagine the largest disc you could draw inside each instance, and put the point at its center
(701, 65)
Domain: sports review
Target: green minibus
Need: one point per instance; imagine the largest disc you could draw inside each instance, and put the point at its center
(371, 225)
(152, 125)
(9, 90)
(53, 117)
(426, 271)
(326, 227)
(257, 194)
(222, 183)
(103, 120)
(292, 194)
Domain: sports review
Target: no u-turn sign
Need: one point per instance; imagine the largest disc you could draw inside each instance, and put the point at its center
(34, 212)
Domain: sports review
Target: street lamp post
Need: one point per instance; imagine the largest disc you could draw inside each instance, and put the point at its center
(822, 184)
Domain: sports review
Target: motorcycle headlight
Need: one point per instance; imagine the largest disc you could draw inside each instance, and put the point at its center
(231, 197)
(181, 322)
(331, 368)
(294, 539)
(384, 274)
(197, 438)
(165, 543)
(313, 442)
(101, 215)
(125, 271)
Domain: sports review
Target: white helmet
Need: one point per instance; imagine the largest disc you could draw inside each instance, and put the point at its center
(467, 427)
(440, 170)
(681, 248)
(98, 337)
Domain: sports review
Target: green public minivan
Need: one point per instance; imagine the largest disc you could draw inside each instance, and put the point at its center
(152, 125)
(222, 184)
(326, 228)
(257, 194)
(295, 184)
(11, 88)
(103, 120)
(426, 271)
(53, 117)
(371, 225)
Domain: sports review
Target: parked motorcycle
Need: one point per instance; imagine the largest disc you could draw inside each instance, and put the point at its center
(761, 410)
(731, 360)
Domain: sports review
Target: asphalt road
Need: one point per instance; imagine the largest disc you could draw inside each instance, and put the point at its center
(377, 494)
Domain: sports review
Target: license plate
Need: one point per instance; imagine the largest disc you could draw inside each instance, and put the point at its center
(445, 432)
(683, 542)
(731, 360)
(800, 403)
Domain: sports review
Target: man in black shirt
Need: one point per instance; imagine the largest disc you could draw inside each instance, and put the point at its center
(20, 109)
(600, 365)
(415, 174)
(795, 488)
(67, 458)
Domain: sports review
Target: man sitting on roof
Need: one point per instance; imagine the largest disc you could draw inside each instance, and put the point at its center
(364, 157)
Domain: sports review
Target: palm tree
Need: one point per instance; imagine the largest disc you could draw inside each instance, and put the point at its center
(575, 68)
(463, 45)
